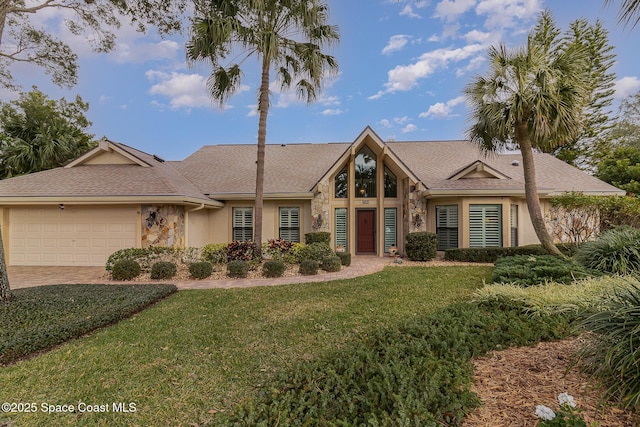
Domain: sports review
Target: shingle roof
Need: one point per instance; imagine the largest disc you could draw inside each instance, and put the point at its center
(434, 162)
(103, 180)
(290, 168)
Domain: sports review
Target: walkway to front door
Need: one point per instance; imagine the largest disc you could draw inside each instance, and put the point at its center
(366, 231)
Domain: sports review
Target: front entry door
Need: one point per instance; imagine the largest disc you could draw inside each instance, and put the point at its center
(366, 230)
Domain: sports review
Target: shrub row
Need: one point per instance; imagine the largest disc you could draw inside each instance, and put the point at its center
(492, 254)
(414, 373)
(42, 317)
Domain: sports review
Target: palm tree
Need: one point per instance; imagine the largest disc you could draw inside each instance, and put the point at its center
(629, 11)
(533, 96)
(285, 35)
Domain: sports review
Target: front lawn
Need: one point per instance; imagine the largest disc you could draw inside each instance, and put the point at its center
(199, 353)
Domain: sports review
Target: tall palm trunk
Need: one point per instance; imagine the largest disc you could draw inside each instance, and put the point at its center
(531, 189)
(5, 291)
(263, 109)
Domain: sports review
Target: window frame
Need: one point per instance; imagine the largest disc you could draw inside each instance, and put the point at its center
(485, 225)
(448, 227)
(289, 227)
(242, 228)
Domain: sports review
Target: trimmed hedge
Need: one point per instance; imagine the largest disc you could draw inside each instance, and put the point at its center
(492, 254)
(316, 251)
(42, 317)
(238, 269)
(421, 246)
(200, 270)
(331, 264)
(317, 237)
(273, 268)
(125, 269)
(345, 258)
(529, 270)
(163, 270)
(309, 267)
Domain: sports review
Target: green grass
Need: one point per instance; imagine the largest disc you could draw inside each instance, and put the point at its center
(200, 352)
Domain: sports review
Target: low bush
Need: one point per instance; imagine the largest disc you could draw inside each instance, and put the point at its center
(215, 253)
(345, 258)
(611, 351)
(317, 237)
(316, 251)
(309, 267)
(487, 255)
(200, 270)
(421, 246)
(125, 269)
(416, 373)
(528, 270)
(145, 257)
(616, 251)
(331, 264)
(240, 251)
(294, 255)
(163, 270)
(273, 268)
(42, 317)
(238, 268)
(276, 249)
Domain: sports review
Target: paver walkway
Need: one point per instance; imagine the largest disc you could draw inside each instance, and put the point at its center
(23, 276)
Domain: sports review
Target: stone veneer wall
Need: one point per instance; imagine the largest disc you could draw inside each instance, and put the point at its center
(320, 204)
(163, 225)
(417, 212)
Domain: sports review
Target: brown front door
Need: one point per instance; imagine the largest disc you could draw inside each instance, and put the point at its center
(366, 230)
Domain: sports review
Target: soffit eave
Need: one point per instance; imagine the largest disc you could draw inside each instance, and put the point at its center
(266, 196)
(109, 200)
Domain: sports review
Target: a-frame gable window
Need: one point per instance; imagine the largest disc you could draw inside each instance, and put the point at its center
(390, 183)
(342, 184)
(366, 169)
(242, 224)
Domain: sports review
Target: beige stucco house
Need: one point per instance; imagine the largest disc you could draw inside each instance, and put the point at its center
(367, 193)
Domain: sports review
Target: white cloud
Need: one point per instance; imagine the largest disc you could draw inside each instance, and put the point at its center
(451, 9)
(441, 110)
(401, 120)
(184, 90)
(507, 13)
(473, 65)
(396, 43)
(132, 52)
(332, 112)
(385, 123)
(626, 86)
(409, 128)
(476, 36)
(405, 77)
(408, 9)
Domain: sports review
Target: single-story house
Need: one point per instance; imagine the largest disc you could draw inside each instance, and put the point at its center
(367, 193)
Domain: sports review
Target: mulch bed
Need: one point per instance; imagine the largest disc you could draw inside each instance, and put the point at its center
(512, 382)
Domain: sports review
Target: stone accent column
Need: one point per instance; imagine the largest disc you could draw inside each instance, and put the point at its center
(163, 225)
(320, 208)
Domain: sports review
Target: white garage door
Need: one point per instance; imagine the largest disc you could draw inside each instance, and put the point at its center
(73, 236)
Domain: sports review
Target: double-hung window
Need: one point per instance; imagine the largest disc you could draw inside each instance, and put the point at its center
(289, 224)
(242, 224)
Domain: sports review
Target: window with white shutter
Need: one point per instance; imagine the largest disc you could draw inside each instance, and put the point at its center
(340, 225)
(390, 228)
(514, 225)
(242, 224)
(447, 226)
(485, 226)
(290, 224)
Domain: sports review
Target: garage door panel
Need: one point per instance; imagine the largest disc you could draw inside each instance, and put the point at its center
(73, 236)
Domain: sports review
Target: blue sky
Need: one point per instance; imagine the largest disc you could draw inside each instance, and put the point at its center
(403, 66)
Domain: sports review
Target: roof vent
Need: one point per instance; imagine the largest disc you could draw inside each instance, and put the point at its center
(515, 163)
(158, 159)
(283, 145)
